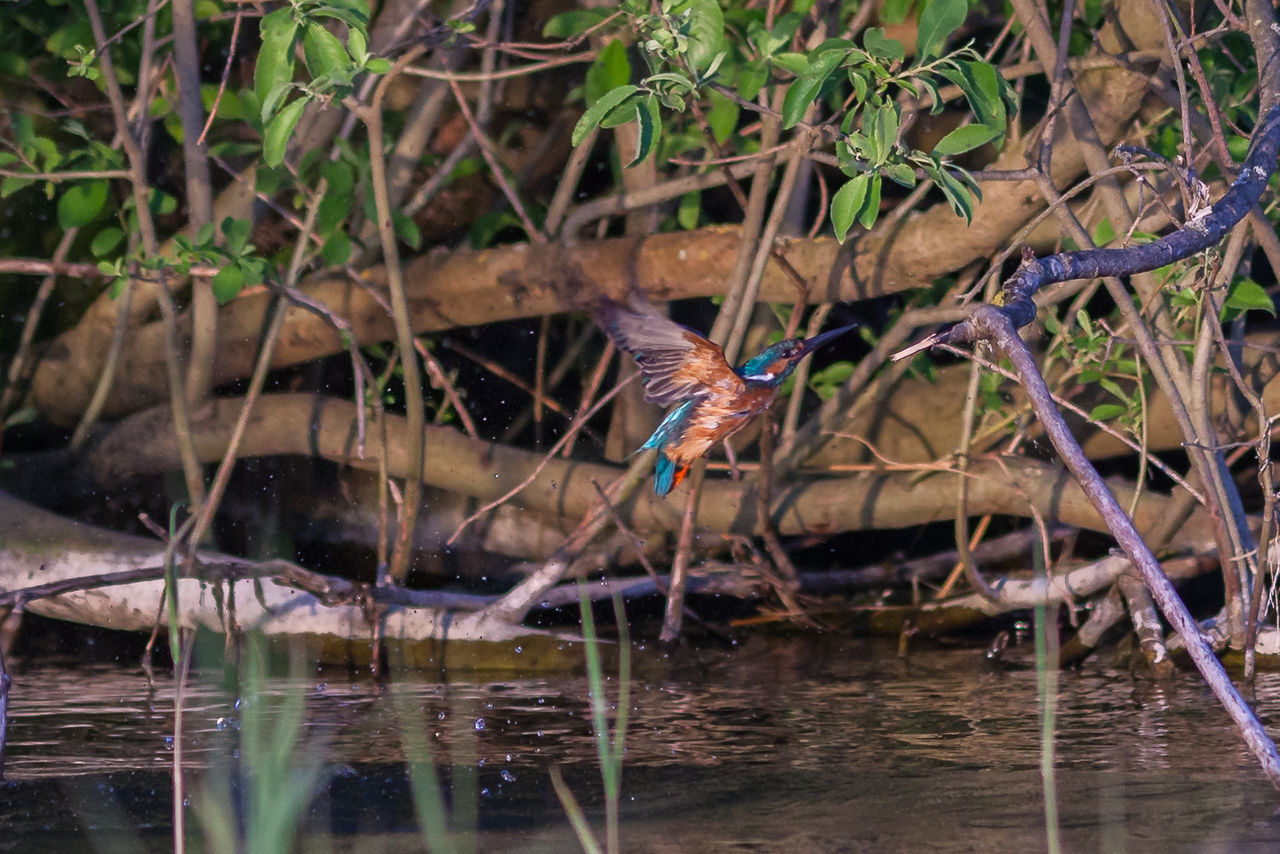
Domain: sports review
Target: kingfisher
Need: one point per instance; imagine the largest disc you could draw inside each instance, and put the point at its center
(713, 399)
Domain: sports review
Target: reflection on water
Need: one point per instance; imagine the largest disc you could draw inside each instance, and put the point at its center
(783, 745)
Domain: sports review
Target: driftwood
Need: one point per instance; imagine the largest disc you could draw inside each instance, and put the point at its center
(305, 424)
(38, 548)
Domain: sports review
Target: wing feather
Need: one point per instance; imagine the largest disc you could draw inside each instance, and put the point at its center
(677, 363)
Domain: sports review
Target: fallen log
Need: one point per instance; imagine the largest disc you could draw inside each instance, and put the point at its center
(38, 548)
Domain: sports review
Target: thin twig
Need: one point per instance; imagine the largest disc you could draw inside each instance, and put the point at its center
(578, 423)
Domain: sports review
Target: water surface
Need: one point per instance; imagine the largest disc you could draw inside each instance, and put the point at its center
(803, 744)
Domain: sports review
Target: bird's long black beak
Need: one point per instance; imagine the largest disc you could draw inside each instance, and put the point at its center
(817, 341)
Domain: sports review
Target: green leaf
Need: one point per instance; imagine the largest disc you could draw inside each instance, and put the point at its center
(80, 203)
(871, 207)
(879, 46)
(608, 102)
(12, 184)
(611, 69)
(105, 241)
(377, 65)
(161, 203)
(706, 33)
(275, 56)
(337, 249)
(958, 195)
(796, 63)
(938, 20)
(226, 284)
(722, 116)
(407, 230)
(806, 87)
(1248, 295)
(325, 55)
(966, 138)
(689, 210)
(649, 124)
(567, 25)
(751, 79)
(1106, 411)
(357, 45)
(1104, 233)
(895, 11)
(353, 13)
(847, 203)
(1113, 387)
(489, 225)
(827, 380)
(983, 88)
(237, 233)
(900, 173)
(886, 130)
(279, 129)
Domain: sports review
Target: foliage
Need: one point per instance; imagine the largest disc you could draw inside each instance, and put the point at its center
(689, 55)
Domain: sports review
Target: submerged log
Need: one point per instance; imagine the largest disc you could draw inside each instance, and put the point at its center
(40, 548)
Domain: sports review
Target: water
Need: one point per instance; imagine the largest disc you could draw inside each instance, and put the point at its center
(783, 745)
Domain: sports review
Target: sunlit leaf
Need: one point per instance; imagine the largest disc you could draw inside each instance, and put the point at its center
(611, 69)
(1104, 233)
(847, 203)
(965, 138)
(878, 45)
(796, 63)
(325, 54)
(279, 129)
(806, 87)
(1106, 411)
(1248, 295)
(275, 56)
(706, 33)
(601, 108)
(938, 20)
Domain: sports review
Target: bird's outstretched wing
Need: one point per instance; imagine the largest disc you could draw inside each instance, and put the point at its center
(677, 363)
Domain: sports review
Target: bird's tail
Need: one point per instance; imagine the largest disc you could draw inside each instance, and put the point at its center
(667, 475)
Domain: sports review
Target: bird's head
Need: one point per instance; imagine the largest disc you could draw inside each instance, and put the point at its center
(777, 362)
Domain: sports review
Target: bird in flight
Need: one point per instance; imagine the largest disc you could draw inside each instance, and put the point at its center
(713, 400)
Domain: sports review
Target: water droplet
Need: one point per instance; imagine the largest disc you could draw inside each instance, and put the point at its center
(480, 762)
(222, 724)
(479, 724)
(322, 687)
(484, 793)
(539, 733)
(168, 742)
(508, 776)
(440, 716)
(519, 650)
